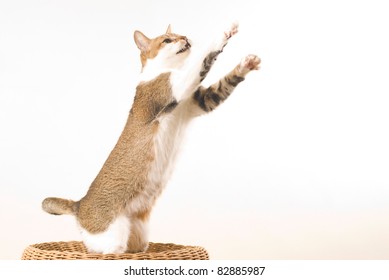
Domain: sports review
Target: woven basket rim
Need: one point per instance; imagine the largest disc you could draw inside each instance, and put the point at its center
(173, 251)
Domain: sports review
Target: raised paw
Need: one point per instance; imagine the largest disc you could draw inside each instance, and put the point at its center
(249, 63)
(232, 31)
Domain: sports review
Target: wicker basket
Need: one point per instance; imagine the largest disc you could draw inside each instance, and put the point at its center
(75, 250)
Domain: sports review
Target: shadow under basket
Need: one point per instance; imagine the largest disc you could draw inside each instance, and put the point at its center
(75, 250)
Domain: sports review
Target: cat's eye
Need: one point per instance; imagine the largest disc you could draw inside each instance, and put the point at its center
(167, 41)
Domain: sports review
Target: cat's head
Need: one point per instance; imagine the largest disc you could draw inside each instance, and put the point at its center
(169, 49)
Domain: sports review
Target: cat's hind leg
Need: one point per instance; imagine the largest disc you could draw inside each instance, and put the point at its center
(113, 240)
(124, 234)
(138, 240)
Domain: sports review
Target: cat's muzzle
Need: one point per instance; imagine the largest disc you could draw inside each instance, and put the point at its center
(185, 48)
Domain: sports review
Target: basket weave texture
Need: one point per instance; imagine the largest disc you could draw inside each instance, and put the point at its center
(75, 250)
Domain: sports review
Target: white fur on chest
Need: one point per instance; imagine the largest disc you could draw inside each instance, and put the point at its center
(167, 142)
(166, 146)
(183, 73)
(170, 132)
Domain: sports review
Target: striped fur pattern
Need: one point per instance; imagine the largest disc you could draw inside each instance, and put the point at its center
(209, 98)
(113, 215)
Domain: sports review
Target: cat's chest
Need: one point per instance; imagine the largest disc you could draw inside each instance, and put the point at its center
(177, 80)
(166, 143)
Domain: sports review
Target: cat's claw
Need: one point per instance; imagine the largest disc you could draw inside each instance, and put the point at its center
(232, 31)
(249, 63)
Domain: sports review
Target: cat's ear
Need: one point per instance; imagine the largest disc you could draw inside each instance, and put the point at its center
(169, 29)
(141, 41)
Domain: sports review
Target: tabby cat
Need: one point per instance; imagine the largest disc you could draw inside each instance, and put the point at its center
(113, 215)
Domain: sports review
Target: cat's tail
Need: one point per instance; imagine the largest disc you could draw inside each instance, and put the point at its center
(59, 206)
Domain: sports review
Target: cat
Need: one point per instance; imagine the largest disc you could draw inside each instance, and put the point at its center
(113, 215)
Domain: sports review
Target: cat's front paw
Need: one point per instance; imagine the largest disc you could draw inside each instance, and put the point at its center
(222, 41)
(231, 31)
(249, 63)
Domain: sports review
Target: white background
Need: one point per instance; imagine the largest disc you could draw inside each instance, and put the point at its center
(293, 166)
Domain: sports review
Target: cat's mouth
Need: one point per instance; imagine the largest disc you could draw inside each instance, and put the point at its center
(185, 48)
